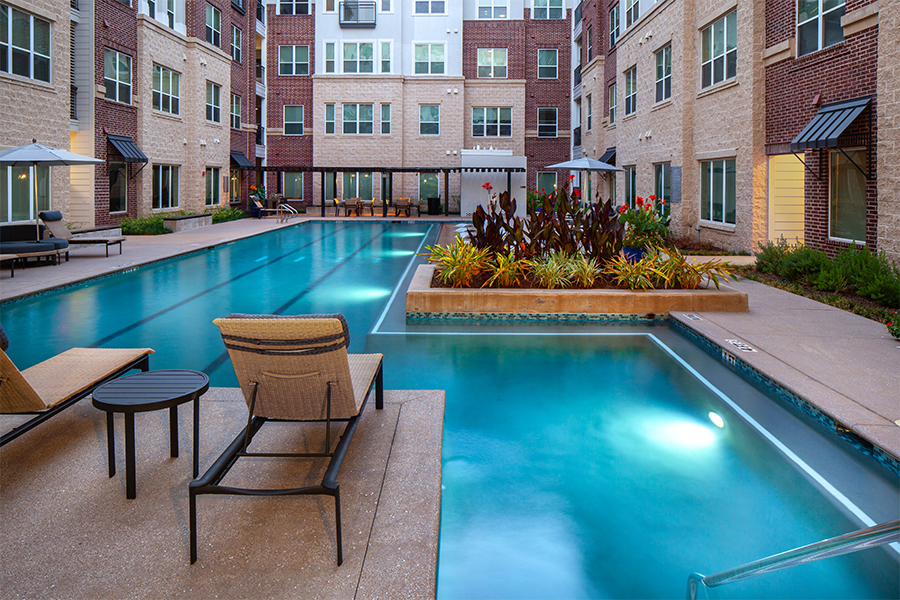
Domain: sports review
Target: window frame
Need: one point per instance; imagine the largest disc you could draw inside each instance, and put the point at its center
(284, 184)
(707, 188)
(664, 82)
(554, 66)
(611, 91)
(632, 12)
(294, 5)
(728, 56)
(820, 21)
(35, 59)
(330, 62)
(236, 36)
(542, 174)
(214, 29)
(589, 36)
(389, 45)
(298, 68)
(429, 46)
(156, 198)
(547, 8)
(357, 121)
(119, 85)
(492, 67)
(294, 123)
(630, 185)
(213, 191)
(631, 84)
(833, 155)
(500, 124)
(492, 6)
(385, 122)
(213, 102)
(613, 26)
(329, 107)
(428, 124)
(122, 169)
(235, 116)
(430, 4)
(555, 112)
(358, 61)
(662, 184)
(174, 98)
(590, 110)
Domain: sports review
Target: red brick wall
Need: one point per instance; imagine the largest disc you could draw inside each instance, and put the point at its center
(243, 84)
(610, 73)
(116, 28)
(507, 34)
(292, 30)
(547, 93)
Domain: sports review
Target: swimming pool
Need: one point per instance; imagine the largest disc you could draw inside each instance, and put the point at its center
(579, 460)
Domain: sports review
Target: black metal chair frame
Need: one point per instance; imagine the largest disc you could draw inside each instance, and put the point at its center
(210, 482)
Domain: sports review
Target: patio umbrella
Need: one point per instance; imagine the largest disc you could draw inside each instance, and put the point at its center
(585, 164)
(35, 154)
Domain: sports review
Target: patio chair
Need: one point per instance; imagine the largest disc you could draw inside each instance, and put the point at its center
(402, 205)
(260, 210)
(351, 205)
(48, 388)
(293, 369)
(53, 220)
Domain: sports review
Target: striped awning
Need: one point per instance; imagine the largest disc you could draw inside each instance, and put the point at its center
(241, 160)
(127, 148)
(829, 123)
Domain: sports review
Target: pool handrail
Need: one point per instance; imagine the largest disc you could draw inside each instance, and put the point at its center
(863, 539)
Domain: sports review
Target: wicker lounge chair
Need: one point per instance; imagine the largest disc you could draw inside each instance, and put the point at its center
(53, 220)
(293, 369)
(50, 387)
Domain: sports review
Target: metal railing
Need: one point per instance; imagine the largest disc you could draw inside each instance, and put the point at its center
(261, 136)
(260, 72)
(357, 13)
(260, 11)
(577, 74)
(73, 95)
(73, 4)
(863, 539)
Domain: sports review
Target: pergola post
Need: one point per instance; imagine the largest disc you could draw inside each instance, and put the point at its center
(323, 193)
(446, 192)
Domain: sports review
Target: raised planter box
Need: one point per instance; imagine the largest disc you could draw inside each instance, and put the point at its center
(423, 301)
(185, 222)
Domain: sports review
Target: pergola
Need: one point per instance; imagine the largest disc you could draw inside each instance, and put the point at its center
(390, 171)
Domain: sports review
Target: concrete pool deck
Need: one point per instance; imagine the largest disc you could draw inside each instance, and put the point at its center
(69, 532)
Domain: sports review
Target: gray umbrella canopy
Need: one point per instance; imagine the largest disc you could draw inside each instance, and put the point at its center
(584, 164)
(35, 154)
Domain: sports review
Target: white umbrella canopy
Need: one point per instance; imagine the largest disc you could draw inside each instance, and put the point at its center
(585, 164)
(35, 154)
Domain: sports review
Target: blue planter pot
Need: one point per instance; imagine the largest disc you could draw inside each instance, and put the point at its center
(634, 255)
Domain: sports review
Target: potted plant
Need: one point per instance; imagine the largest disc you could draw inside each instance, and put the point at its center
(646, 226)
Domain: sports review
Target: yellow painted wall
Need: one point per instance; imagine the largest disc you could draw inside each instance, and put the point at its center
(785, 198)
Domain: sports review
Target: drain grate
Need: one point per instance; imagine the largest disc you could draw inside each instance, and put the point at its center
(692, 317)
(729, 357)
(742, 346)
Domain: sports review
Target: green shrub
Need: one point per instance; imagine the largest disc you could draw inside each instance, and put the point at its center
(771, 254)
(802, 264)
(505, 270)
(224, 214)
(834, 277)
(583, 271)
(152, 225)
(639, 275)
(875, 277)
(460, 263)
(552, 271)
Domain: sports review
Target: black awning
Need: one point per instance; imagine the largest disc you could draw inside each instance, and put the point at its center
(241, 160)
(127, 148)
(828, 125)
(609, 157)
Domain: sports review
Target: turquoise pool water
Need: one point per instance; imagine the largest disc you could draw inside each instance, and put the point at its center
(580, 461)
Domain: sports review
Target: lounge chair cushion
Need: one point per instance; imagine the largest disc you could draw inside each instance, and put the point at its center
(21, 248)
(50, 215)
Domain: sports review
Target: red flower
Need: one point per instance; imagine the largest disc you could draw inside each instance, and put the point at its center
(653, 196)
(488, 186)
(571, 177)
(576, 194)
(647, 207)
(661, 202)
(542, 190)
(623, 209)
(640, 201)
(252, 188)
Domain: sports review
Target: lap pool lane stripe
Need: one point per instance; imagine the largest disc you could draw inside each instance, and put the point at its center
(180, 303)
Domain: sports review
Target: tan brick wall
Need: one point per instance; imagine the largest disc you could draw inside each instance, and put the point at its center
(34, 109)
(593, 140)
(187, 139)
(889, 130)
(501, 93)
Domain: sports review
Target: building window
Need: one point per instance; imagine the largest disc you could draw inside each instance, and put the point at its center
(117, 76)
(630, 185)
(118, 187)
(165, 186)
(357, 118)
(293, 7)
(429, 59)
(819, 24)
(25, 44)
(329, 118)
(612, 188)
(358, 58)
(590, 42)
(166, 92)
(293, 120)
(17, 192)
(492, 62)
(717, 191)
(385, 57)
(293, 186)
(213, 25)
(293, 60)
(329, 6)
(613, 25)
(632, 11)
(718, 50)
(546, 122)
(548, 9)
(590, 111)
(212, 186)
(386, 6)
(630, 90)
(429, 119)
(386, 119)
(213, 102)
(235, 44)
(547, 63)
(234, 185)
(329, 57)
(235, 111)
(664, 74)
(492, 9)
(489, 121)
(847, 196)
(662, 177)
(170, 12)
(612, 104)
(430, 7)
(358, 185)
(546, 182)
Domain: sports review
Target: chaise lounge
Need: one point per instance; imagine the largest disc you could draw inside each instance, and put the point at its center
(53, 220)
(21, 239)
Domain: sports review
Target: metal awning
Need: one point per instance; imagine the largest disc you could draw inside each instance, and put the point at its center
(829, 123)
(127, 148)
(609, 157)
(241, 160)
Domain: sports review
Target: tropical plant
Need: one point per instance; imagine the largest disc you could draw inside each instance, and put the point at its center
(460, 262)
(676, 271)
(258, 193)
(638, 275)
(552, 271)
(647, 224)
(584, 271)
(506, 270)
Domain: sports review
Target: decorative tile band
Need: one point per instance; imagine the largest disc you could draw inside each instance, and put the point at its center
(754, 376)
(536, 317)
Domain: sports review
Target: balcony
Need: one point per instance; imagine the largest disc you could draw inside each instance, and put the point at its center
(576, 137)
(73, 4)
(260, 11)
(577, 75)
(261, 136)
(73, 95)
(357, 14)
(576, 16)
(260, 72)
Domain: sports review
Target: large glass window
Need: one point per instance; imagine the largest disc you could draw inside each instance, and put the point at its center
(357, 118)
(329, 118)
(165, 186)
(548, 61)
(293, 186)
(359, 58)
(212, 185)
(118, 187)
(235, 111)
(213, 102)
(718, 191)
(590, 111)
(847, 196)
(385, 57)
(489, 121)
(662, 177)
(612, 104)
(166, 90)
(167, 15)
(818, 24)
(613, 25)
(293, 60)
(293, 7)
(293, 120)
(234, 186)
(386, 119)
(492, 62)
(548, 9)
(429, 59)
(213, 25)
(630, 90)
(547, 122)
(632, 12)
(329, 57)
(589, 38)
(492, 9)
(117, 76)
(428, 186)
(546, 182)
(17, 192)
(630, 185)
(24, 44)
(718, 50)
(429, 119)
(358, 185)
(430, 7)
(664, 73)
(235, 44)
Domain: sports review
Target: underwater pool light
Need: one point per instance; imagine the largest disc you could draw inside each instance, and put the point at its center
(717, 420)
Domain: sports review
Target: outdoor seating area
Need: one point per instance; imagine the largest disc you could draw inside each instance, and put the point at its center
(58, 230)
(24, 241)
